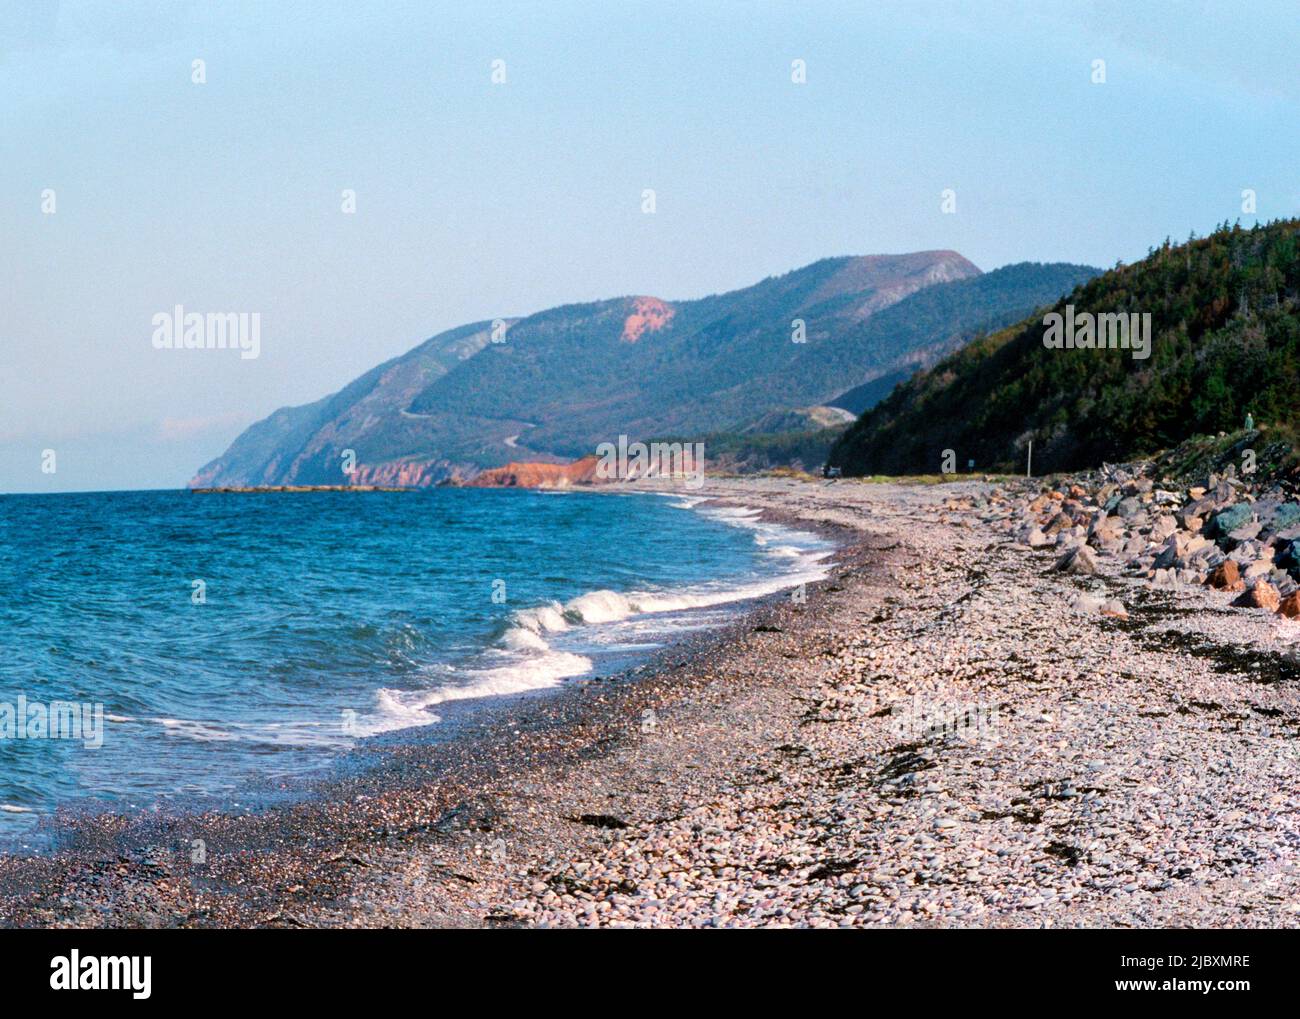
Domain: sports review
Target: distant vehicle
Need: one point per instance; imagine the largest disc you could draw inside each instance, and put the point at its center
(831, 472)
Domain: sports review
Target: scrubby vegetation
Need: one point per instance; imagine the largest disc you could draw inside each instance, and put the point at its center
(1226, 342)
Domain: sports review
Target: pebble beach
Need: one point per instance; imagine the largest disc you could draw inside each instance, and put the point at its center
(987, 716)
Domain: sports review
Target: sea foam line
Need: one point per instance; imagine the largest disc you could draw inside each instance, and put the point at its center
(524, 659)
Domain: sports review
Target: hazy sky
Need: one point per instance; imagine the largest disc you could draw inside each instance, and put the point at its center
(476, 200)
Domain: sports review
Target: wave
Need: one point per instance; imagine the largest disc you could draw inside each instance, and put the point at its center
(279, 734)
(402, 709)
(520, 638)
(543, 618)
(599, 607)
(524, 660)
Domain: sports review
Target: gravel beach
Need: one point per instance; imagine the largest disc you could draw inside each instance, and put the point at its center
(955, 729)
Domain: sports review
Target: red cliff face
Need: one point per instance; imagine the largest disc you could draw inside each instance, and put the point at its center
(649, 314)
(540, 475)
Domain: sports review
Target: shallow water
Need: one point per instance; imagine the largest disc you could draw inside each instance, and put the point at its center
(226, 638)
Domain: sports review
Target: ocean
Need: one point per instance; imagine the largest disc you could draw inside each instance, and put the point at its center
(225, 639)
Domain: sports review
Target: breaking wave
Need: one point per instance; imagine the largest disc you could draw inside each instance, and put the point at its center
(525, 658)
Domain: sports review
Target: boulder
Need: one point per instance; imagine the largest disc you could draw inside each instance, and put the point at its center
(1226, 577)
(1167, 579)
(1230, 519)
(1164, 526)
(1128, 507)
(1078, 562)
(1174, 549)
(1246, 532)
(1286, 515)
(1259, 568)
(1290, 606)
(1262, 596)
(1289, 557)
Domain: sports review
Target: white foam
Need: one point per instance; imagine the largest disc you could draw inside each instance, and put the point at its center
(543, 618)
(525, 660)
(402, 709)
(290, 734)
(203, 732)
(599, 607)
(518, 638)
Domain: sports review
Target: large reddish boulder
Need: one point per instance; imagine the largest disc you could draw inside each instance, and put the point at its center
(1262, 596)
(1226, 576)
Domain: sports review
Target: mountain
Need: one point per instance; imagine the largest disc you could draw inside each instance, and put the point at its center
(551, 386)
(938, 320)
(1225, 340)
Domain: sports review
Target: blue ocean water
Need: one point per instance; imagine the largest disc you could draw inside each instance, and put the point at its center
(235, 637)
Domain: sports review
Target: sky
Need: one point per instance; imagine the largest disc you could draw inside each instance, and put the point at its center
(128, 188)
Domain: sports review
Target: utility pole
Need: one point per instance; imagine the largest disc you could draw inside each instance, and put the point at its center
(1029, 465)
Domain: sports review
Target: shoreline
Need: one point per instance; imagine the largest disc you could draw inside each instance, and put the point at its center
(778, 783)
(498, 662)
(99, 861)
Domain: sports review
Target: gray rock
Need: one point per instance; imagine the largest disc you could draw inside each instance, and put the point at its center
(1163, 527)
(1246, 531)
(1128, 507)
(1079, 562)
(1165, 578)
(1135, 545)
